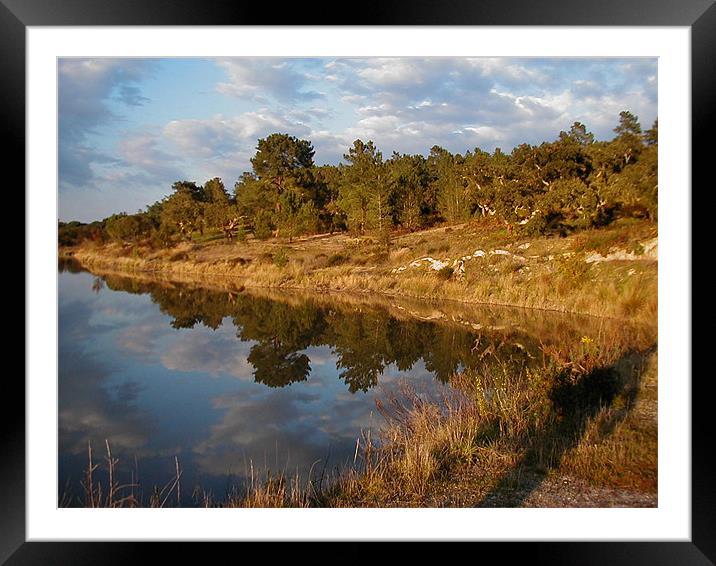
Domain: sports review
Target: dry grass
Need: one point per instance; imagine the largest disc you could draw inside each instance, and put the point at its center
(619, 445)
(550, 273)
(488, 439)
(590, 416)
(97, 492)
(482, 453)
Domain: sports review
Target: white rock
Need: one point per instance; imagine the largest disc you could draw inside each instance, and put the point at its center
(437, 265)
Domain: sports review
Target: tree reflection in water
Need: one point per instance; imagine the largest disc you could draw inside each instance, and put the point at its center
(364, 339)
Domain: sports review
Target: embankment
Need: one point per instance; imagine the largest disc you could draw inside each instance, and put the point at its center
(607, 273)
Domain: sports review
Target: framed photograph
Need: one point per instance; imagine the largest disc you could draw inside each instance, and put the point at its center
(403, 277)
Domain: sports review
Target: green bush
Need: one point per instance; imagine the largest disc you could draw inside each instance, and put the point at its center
(262, 225)
(240, 234)
(336, 259)
(439, 248)
(446, 272)
(280, 258)
(161, 237)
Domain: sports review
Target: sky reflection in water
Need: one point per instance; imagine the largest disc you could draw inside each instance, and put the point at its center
(226, 381)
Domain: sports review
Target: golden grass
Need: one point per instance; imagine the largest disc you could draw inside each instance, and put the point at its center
(550, 274)
(474, 441)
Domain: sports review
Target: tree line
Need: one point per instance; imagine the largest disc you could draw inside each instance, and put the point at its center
(571, 183)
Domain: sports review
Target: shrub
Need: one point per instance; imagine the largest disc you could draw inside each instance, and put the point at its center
(262, 225)
(240, 234)
(336, 259)
(161, 237)
(573, 270)
(440, 248)
(280, 258)
(446, 272)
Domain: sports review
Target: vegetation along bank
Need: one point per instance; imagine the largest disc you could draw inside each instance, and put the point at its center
(569, 224)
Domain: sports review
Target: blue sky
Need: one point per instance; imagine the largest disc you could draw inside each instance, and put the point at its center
(128, 128)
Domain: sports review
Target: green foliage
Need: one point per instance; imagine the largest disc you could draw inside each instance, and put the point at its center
(629, 140)
(449, 185)
(74, 233)
(214, 191)
(262, 225)
(280, 155)
(364, 194)
(184, 210)
(336, 259)
(578, 132)
(384, 239)
(445, 273)
(125, 228)
(651, 136)
(571, 183)
(218, 209)
(280, 258)
(282, 182)
(162, 236)
(634, 192)
(409, 196)
(250, 196)
(240, 233)
(307, 218)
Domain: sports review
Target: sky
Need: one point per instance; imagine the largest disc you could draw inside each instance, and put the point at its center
(129, 128)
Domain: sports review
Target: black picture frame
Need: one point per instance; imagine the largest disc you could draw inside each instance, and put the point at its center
(699, 15)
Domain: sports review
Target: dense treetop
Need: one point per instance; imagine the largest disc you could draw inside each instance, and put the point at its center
(571, 183)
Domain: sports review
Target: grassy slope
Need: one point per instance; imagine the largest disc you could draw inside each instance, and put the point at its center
(541, 272)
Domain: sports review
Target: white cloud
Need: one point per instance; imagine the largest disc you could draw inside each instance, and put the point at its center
(223, 146)
(142, 152)
(393, 72)
(221, 135)
(261, 77)
(353, 98)
(85, 87)
(214, 354)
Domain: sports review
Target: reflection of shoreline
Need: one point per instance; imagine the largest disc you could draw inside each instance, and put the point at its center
(363, 337)
(205, 275)
(366, 334)
(481, 317)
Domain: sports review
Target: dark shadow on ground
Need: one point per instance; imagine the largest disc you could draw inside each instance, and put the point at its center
(575, 404)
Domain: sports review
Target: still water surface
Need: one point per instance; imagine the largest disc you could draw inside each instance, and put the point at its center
(226, 382)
